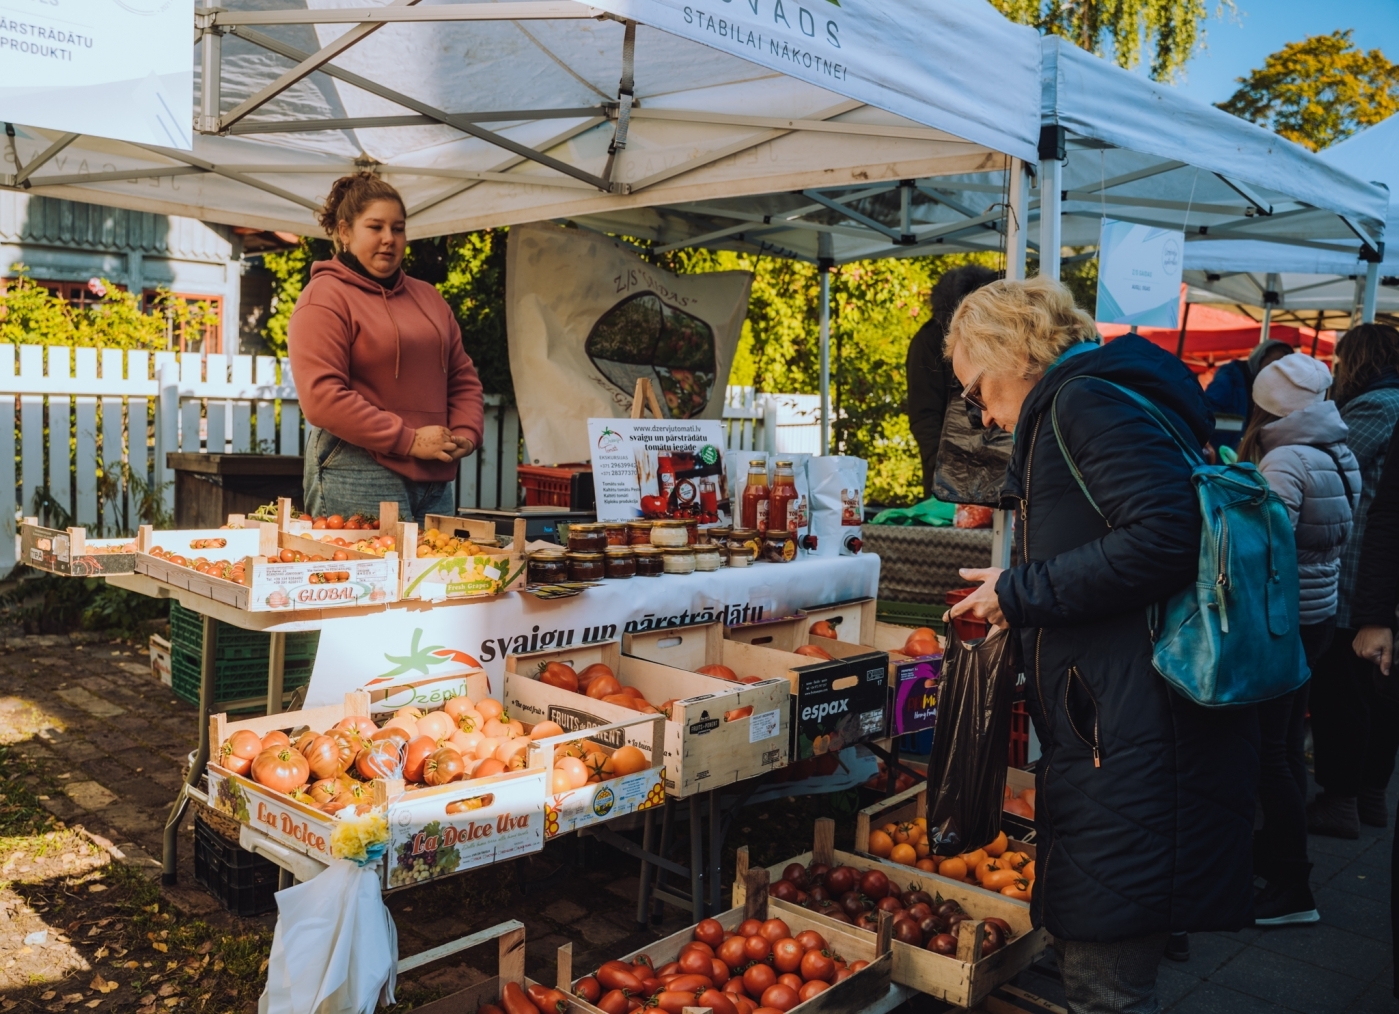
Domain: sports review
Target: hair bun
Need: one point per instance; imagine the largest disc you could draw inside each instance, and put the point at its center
(349, 196)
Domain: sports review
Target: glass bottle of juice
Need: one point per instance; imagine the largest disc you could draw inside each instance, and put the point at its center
(781, 505)
(755, 496)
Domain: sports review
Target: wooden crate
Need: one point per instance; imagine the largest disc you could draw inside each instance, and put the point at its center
(752, 902)
(484, 820)
(962, 979)
(69, 552)
(705, 748)
(615, 797)
(853, 620)
(487, 573)
(833, 703)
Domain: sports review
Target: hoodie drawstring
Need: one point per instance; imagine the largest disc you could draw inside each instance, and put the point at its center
(397, 337)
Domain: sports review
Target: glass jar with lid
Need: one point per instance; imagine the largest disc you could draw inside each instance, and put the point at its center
(616, 532)
(779, 546)
(708, 557)
(620, 561)
(679, 560)
(650, 561)
(669, 533)
(547, 566)
(586, 567)
(639, 533)
(748, 540)
(587, 538)
(716, 534)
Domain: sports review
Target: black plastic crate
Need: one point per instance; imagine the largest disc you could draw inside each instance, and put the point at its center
(234, 679)
(243, 881)
(234, 643)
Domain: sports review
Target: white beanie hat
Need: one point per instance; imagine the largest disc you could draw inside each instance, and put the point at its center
(1291, 384)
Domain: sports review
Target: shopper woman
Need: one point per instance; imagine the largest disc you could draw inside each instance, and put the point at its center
(1356, 733)
(380, 368)
(1145, 805)
(1298, 441)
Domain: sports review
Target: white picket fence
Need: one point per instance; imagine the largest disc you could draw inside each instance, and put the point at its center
(80, 413)
(772, 422)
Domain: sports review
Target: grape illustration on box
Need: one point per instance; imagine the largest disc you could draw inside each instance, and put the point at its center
(643, 336)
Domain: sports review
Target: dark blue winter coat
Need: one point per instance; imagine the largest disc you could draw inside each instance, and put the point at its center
(1144, 808)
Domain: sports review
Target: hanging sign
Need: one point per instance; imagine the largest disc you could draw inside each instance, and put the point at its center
(656, 468)
(1139, 271)
(122, 69)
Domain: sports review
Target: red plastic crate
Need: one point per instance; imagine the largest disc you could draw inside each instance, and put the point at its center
(1019, 735)
(547, 486)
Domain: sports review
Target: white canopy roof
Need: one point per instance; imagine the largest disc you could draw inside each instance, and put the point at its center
(487, 114)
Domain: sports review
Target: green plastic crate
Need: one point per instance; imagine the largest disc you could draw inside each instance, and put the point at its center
(233, 643)
(911, 614)
(234, 679)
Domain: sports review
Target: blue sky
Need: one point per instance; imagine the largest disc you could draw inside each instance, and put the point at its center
(1239, 43)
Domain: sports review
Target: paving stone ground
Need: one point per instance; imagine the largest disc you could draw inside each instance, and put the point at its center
(107, 744)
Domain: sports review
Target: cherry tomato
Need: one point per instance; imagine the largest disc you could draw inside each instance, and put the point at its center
(588, 989)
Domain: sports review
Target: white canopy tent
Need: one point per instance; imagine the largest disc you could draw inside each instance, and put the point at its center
(487, 114)
(1311, 286)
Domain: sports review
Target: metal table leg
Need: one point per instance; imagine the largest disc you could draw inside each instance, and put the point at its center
(667, 837)
(171, 850)
(643, 891)
(696, 859)
(276, 670)
(716, 852)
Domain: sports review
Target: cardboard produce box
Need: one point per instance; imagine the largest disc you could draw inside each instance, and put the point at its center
(614, 797)
(717, 733)
(833, 704)
(69, 552)
(490, 571)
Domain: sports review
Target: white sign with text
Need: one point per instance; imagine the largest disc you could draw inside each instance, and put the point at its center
(1139, 272)
(658, 467)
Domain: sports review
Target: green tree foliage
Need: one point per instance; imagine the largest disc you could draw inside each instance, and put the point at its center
(1122, 28)
(31, 315)
(292, 270)
(1318, 91)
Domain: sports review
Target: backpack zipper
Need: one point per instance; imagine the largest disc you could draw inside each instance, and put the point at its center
(1068, 685)
(1221, 583)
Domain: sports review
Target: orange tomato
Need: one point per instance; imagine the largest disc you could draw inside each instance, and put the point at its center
(575, 769)
(1019, 807)
(881, 844)
(998, 846)
(974, 859)
(903, 854)
(927, 865)
(954, 868)
(910, 833)
(628, 759)
(1028, 798)
(1021, 890)
(994, 880)
(921, 849)
(1028, 870)
(986, 866)
(490, 708)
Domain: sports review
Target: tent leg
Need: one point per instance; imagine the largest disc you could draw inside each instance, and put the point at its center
(1372, 283)
(1051, 222)
(1019, 200)
(824, 266)
(1267, 329)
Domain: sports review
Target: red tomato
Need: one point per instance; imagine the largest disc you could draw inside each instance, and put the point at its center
(698, 945)
(788, 979)
(774, 930)
(758, 978)
(749, 927)
(856, 966)
(787, 955)
(735, 986)
(818, 965)
(717, 1001)
(781, 997)
(841, 975)
(587, 988)
(731, 952)
(756, 947)
(695, 962)
(708, 931)
(811, 940)
(613, 1002)
(720, 975)
(811, 988)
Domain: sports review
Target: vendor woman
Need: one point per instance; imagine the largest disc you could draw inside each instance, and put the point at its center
(379, 364)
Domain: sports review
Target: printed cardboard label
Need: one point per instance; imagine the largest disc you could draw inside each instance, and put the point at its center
(292, 586)
(764, 726)
(839, 704)
(592, 804)
(916, 694)
(273, 814)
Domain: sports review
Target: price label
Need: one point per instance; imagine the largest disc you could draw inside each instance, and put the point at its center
(764, 726)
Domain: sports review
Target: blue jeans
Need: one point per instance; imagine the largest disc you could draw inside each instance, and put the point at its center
(1115, 978)
(341, 478)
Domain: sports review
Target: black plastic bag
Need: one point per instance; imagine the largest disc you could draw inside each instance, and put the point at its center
(972, 459)
(971, 742)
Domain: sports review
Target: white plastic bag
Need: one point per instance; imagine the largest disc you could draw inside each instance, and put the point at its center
(837, 503)
(335, 950)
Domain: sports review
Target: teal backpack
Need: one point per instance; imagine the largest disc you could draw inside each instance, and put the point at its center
(1232, 638)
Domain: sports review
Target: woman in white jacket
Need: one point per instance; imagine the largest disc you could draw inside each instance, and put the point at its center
(1298, 440)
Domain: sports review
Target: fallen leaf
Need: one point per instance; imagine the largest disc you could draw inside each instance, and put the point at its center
(148, 999)
(167, 989)
(262, 967)
(153, 909)
(102, 985)
(120, 951)
(101, 952)
(92, 1003)
(72, 997)
(49, 995)
(146, 1010)
(94, 931)
(130, 964)
(173, 1001)
(9, 1004)
(162, 948)
(94, 888)
(205, 947)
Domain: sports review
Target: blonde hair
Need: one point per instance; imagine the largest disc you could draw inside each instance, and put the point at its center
(1018, 327)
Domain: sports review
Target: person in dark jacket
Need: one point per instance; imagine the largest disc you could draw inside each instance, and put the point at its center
(931, 383)
(1373, 611)
(1145, 800)
(1230, 394)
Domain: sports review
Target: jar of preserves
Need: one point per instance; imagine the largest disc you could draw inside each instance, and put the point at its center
(753, 511)
(588, 538)
(779, 546)
(708, 557)
(639, 533)
(650, 561)
(616, 532)
(739, 556)
(679, 560)
(715, 535)
(747, 540)
(547, 566)
(586, 567)
(620, 562)
(692, 531)
(669, 533)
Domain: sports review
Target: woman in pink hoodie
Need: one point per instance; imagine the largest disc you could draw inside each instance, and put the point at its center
(379, 364)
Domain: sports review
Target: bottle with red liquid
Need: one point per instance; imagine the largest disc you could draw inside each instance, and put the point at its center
(782, 511)
(709, 499)
(755, 497)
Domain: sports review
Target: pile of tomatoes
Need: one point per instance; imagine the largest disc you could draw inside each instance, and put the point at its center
(760, 969)
(856, 896)
(1022, 803)
(923, 641)
(599, 683)
(214, 568)
(376, 545)
(336, 521)
(994, 866)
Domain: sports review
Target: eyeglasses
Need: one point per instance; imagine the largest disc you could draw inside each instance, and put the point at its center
(971, 394)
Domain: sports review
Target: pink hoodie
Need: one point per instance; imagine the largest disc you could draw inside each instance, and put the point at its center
(372, 364)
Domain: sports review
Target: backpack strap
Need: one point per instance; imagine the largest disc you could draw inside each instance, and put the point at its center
(1345, 479)
(1192, 456)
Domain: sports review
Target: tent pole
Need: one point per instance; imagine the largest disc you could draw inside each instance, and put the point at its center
(1018, 201)
(824, 268)
(1267, 328)
(210, 70)
(1184, 324)
(1372, 284)
(1051, 224)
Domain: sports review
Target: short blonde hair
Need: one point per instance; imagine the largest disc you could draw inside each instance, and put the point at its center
(1018, 326)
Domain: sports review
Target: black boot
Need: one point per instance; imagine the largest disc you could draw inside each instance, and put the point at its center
(1286, 901)
(1333, 816)
(1178, 947)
